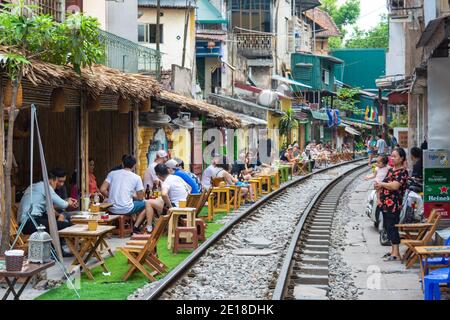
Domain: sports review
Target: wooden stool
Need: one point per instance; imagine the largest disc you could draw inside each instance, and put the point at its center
(266, 180)
(201, 228)
(211, 207)
(177, 243)
(220, 206)
(177, 214)
(254, 185)
(276, 184)
(125, 226)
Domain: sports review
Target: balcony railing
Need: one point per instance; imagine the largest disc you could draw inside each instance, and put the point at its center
(55, 8)
(127, 56)
(254, 45)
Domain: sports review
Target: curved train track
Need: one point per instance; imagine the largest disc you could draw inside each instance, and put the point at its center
(215, 270)
(305, 274)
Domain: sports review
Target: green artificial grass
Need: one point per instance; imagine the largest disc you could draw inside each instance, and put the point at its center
(113, 287)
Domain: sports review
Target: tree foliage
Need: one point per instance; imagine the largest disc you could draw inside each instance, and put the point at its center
(27, 35)
(377, 37)
(346, 100)
(343, 15)
(287, 123)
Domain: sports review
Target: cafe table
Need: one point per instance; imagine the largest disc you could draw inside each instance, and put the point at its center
(425, 252)
(28, 271)
(111, 220)
(285, 170)
(89, 242)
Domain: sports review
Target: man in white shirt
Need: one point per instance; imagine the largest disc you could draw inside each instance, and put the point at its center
(150, 177)
(381, 146)
(124, 189)
(210, 172)
(173, 188)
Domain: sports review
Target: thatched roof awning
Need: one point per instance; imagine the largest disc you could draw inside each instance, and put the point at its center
(220, 116)
(96, 80)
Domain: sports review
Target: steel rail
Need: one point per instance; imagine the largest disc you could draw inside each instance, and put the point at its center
(283, 279)
(179, 271)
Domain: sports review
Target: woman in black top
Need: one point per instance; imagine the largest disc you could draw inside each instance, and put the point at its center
(393, 189)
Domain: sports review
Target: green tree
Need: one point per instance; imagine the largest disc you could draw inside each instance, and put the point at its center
(343, 15)
(346, 100)
(377, 37)
(27, 35)
(287, 123)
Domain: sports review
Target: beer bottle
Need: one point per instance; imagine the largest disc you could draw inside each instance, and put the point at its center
(147, 192)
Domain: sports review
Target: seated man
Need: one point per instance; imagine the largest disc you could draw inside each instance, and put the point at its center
(210, 172)
(36, 206)
(173, 188)
(124, 189)
(174, 168)
(61, 191)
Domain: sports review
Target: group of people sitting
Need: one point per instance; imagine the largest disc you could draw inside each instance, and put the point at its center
(317, 154)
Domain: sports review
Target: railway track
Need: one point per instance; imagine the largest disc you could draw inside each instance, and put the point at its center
(305, 272)
(221, 268)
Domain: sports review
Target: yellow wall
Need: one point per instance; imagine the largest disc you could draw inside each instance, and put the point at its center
(182, 146)
(145, 136)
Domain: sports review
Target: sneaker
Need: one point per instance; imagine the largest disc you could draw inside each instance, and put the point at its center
(148, 230)
(136, 230)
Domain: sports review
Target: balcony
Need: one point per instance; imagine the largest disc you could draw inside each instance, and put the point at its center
(127, 56)
(255, 46)
(55, 8)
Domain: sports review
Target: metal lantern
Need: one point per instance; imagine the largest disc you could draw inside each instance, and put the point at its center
(39, 246)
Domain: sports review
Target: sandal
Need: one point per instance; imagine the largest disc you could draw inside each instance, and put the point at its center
(386, 255)
(392, 258)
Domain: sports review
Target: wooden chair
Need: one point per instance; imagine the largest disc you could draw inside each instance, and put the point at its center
(215, 182)
(22, 240)
(142, 253)
(410, 257)
(414, 231)
(193, 200)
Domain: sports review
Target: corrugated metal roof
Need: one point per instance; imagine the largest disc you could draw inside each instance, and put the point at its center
(167, 3)
(324, 20)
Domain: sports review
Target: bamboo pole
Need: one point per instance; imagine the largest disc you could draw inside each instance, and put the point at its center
(136, 134)
(8, 167)
(84, 146)
(2, 162)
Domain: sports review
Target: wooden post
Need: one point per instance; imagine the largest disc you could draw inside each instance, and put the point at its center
(2, 161)
(84, 146)
(136, 134)
(158, 31)
(186, 25)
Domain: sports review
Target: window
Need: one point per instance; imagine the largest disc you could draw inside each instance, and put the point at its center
(251, 14)
(147, 33)
(326, 76)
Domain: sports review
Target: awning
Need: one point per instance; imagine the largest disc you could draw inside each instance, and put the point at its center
(398, 97)
(352, 131)
(435, 33)
(319, 115)
(207, 13)
(356, 124)
(290, 81)
(249, 120)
